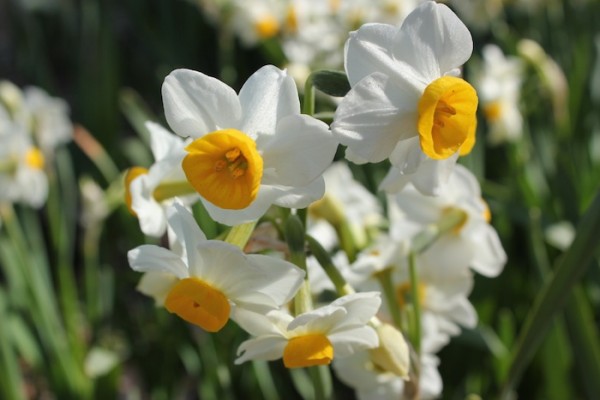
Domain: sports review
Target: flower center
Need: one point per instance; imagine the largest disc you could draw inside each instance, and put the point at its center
(199, 303)
(34, 158)
(447, 118)
(307, 351)
(225, 168)
(267, 27)
(493, 111)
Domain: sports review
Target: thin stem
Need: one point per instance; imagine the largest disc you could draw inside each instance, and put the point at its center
(389, 293)
(414, 288)
(308, 106)
(240, 234)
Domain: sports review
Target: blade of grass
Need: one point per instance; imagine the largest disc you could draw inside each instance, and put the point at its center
(11, 381)
(554, 294)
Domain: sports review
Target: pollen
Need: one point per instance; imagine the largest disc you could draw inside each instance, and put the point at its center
(307, 351)
(199, 303)
(225, 168)
(447, 118)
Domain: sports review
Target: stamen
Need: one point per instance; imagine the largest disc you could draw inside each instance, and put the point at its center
(225, 168)
(233, 154)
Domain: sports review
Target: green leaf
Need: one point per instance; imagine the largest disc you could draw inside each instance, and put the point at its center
(554, 294)
(333, 83)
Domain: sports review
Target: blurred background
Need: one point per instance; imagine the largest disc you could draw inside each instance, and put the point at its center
(107, 59)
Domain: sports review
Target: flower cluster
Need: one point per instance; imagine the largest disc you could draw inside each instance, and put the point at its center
(32, 125)
(400, 278)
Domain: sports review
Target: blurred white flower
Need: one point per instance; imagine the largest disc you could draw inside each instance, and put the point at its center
(48, 118)
(249, 151)
(473, 243)
(373, 383)
(22, 175)
(212, 276)
(313, 338)
(499, 86)
(347, 202)
(256, 20)
(407, 102)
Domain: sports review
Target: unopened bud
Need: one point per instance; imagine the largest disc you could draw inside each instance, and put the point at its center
(392, 355)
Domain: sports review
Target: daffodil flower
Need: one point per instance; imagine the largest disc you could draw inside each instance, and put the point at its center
(499, 85)
(248, 151)
(22, 175)
(407, 102)
(149, 191)
(214, 277)
(473, 243)
(313, 338)
(371, 382)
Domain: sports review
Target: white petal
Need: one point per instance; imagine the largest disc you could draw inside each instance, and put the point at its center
(300, 197)
(264, 200)
(432, 42)
(150, 258)
(156, 285)
(350, 341)
(266, 348)
(489, 256)
(450, 253)
(374, 116)
(150, 213)
(299, 152)
(196, 104)
(187, 233)
(361, 307)
(267, 96)
(368, 50)
(163, 143)
(272, 323)
(247, 285)
(284, 277)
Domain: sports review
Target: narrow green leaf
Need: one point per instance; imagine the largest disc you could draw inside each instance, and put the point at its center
(555, 292)
(584, 341)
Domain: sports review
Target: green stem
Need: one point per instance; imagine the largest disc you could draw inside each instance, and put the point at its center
(240, 234)
(321, 380)
(295, 236)
(452, 219)
(308, 106)
(389, 293)
(414, 287)
(341, 286)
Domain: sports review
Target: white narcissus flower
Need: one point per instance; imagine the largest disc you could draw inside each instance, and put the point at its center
(22, 175)
(442, 292)
(373, 383)
(474, 243)
(313, 338)
(213, 277)
(249, 151)
(256, 20)
(407, 102)
(48, 119)
(149, 191)
(499, 87)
